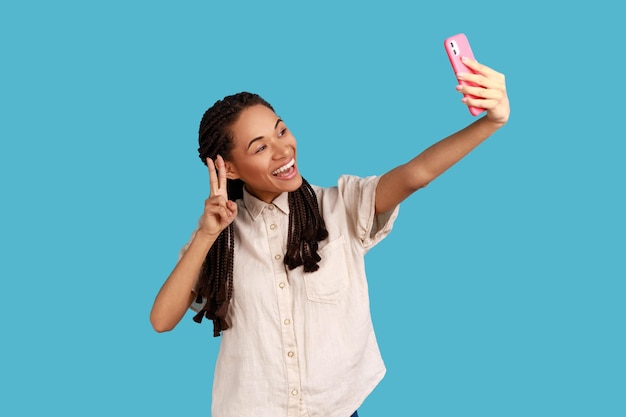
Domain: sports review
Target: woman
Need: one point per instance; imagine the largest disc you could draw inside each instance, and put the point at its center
(277, 264)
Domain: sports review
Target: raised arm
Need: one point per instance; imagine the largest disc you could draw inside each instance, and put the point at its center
(176, 294)
(490, 94)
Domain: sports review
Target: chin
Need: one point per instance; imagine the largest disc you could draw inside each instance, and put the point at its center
(297, 183)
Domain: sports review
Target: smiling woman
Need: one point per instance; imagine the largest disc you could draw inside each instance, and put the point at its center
(278, 264)
(266, 163)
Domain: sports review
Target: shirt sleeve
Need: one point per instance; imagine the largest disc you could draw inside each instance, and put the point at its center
(359, 196)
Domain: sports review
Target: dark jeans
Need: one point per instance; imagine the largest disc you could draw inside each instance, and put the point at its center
(355, 414)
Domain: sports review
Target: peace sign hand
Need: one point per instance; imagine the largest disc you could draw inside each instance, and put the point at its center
(219, 211)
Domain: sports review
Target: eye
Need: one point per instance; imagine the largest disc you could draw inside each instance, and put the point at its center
(282, 132)
(260, 149)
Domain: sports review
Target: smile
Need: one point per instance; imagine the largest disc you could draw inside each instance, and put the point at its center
(284, 167)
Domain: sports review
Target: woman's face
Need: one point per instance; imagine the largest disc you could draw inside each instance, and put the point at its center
(264, 154)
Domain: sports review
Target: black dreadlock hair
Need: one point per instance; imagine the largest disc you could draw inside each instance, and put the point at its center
(306, 225)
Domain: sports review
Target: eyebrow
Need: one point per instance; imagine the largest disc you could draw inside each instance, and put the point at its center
(261, 137)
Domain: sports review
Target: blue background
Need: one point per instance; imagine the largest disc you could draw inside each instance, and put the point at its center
(501, 290)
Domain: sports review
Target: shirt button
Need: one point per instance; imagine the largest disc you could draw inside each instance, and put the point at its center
(294, 392)
(281, 285)
(270, 206)
(273, 226)
(287, 322)
(291, 354)
(277, 257)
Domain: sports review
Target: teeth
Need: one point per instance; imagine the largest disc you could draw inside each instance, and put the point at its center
(284, 167)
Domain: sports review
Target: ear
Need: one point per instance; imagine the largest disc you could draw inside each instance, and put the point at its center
(231, 172)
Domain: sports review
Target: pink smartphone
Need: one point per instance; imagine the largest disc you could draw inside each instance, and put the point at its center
(458, 46)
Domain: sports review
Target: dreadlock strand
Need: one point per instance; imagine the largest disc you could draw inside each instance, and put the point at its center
(306, 229)
(231, 260)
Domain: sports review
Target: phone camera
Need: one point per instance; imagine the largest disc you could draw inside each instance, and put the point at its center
(454, 48)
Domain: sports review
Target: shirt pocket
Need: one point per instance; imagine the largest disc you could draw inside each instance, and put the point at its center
(327, 284)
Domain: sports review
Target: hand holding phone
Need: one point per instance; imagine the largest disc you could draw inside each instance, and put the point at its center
(458, 46)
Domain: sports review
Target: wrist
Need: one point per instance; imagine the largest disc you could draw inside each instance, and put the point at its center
(493, 124)
(204, 238)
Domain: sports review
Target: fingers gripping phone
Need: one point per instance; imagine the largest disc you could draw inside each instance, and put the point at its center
(458, 46)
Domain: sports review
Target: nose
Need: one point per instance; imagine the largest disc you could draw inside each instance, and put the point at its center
(281, 150)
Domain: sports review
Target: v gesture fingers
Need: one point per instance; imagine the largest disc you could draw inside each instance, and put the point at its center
(219, 211)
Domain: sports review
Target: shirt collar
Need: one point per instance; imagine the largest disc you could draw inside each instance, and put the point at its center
(255, 206)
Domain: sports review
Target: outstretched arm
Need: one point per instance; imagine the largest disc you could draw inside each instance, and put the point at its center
(490, 92)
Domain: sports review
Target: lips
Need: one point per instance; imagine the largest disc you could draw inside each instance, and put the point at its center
(284, 168)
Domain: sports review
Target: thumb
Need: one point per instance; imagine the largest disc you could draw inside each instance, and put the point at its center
(232, 207)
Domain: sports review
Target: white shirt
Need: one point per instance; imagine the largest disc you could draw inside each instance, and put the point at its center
(301, 344)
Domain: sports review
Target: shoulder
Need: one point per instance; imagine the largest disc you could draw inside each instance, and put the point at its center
(347, 183)
(351, 192)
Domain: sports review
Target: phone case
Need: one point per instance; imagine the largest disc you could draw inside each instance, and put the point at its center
(458, 46)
